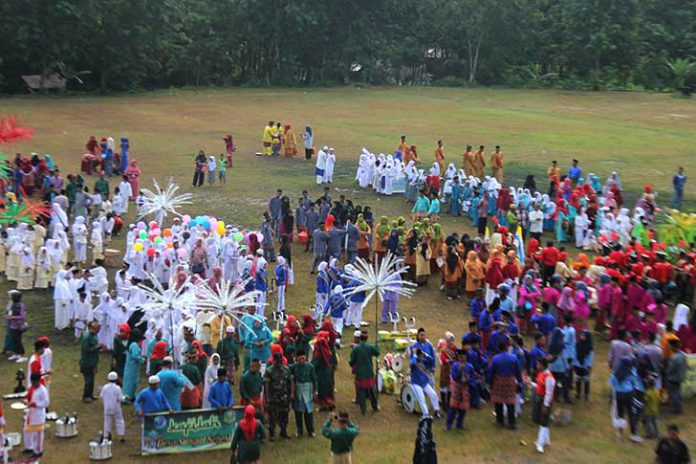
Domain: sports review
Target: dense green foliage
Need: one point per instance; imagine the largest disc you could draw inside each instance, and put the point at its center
(130, 44)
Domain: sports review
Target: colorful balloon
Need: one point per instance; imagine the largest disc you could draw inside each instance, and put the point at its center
(167, 232)
(142, 235)
(150, 252)
(138, 247)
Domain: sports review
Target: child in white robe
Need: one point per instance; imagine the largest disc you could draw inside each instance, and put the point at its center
(81, 315)
(330, 163)
(122, 282)
(14, 257)
(62, 298)
(79, 233)
(112, 397)
(64, 247)
(43, 269)
(97, 239)
(126, 192)
(581, 228)
(26, 272)
(118, 204)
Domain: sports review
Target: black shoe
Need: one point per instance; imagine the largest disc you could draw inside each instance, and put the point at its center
(285, 435)
(438, 415)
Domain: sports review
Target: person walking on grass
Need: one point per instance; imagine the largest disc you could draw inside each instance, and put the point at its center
(341, 436)
(222, 169)
(678, 182)
(89, 359)
(212, 167)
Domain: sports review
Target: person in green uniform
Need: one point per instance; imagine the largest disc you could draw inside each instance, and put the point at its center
(228, 350)
(101, 186)
(361, 361)
(341, 437)
(246, 439)
(89, 358)
(251, 385)
(305, 388)
(278, 389)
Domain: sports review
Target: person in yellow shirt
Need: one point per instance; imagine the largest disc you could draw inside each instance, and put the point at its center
(554, 173)
(440, 155)
(497, 164)
(479, 163)
(267, 139)
(468, 161)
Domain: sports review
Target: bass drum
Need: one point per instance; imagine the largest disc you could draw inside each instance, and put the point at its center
(408, 399)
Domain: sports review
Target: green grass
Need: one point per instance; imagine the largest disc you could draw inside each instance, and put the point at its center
(644, 136)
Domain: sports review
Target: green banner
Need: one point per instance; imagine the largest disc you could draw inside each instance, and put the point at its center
(189, 431)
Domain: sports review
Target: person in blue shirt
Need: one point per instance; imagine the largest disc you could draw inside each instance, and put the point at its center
(355, 309)
(509, 322)
(462, 376)
(281, 277)
(151, 400)
(505, 303)
(485, 324)
(472, 337)
(622, 382)
(582, 364)
(569, 341)
(261, 285)
(477, 305)
(535, 354)
(544, 322)
(422, 362)
(498, 336)
(323, 285)
(575, 173)
(336, 307)
(171, 383)
(220, 394)
(505, 379)
(258, 340)
(678, 182)
(478, 361)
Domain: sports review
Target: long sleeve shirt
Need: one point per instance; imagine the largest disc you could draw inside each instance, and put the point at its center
(220, 395)
(504, 365)
(150, 401)
(341, 437)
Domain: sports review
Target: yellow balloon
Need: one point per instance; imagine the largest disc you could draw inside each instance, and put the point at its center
(221, 228)
(138, 247)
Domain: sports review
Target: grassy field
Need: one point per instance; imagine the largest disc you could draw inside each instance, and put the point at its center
(643, 136)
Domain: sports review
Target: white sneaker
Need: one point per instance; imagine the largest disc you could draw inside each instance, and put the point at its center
(539, 448)
(21, 360)
(13, 357)
(636, 439)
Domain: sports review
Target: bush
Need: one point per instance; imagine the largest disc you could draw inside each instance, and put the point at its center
(450, 81)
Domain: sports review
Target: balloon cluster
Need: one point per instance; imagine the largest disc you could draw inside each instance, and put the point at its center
(151, 237)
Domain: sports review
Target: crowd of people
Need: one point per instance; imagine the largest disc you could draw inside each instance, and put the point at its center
(512, 285)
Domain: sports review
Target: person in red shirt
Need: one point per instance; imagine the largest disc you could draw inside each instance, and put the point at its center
(617, 305)
(662, 270)
(549, 257)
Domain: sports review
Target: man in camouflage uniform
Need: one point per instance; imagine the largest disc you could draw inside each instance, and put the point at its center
(278, 392)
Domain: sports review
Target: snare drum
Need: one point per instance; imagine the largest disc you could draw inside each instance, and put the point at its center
(99, 451)
(64, 430)
(408, 399)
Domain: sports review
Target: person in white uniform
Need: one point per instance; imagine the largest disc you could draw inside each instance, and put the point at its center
(112, 397)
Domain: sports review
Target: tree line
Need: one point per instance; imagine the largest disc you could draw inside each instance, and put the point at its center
(115, 45)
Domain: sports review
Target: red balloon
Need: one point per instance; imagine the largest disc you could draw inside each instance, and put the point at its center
(614, 236)
(150, 252)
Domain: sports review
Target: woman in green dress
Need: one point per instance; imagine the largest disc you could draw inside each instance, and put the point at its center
(324, 362)
(246, 440)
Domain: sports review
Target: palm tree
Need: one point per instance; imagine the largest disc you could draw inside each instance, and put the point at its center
(682, 69)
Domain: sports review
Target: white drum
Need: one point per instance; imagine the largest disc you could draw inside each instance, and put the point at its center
(408, 399)
(99, 451)
(14, 438)
(398, 363)
(64, 430)
(380, 381)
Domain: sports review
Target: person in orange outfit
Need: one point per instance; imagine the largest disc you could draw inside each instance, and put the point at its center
(479, 163)
(497, 164)
(440, 155)
(468, 161)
